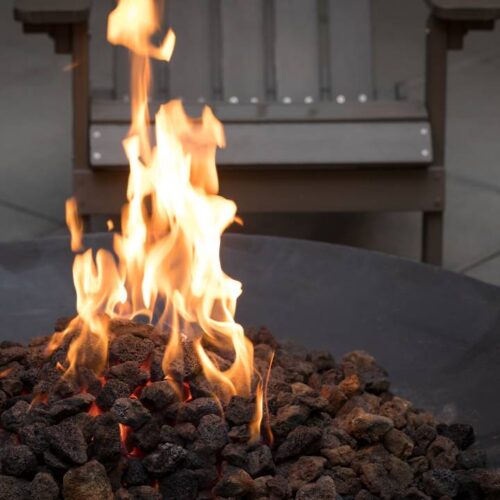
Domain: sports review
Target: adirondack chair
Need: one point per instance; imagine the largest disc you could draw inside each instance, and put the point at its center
(292, 82)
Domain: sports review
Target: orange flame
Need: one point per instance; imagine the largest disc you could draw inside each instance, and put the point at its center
(5, 372)
(168, 266)
(75, 225)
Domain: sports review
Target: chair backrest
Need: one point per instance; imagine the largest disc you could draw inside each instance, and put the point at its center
(245, 51)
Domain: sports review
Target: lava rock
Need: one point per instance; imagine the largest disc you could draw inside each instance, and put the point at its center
(235, 483)
(414, 493)
(396, 409)
(33, 435)
(88, 482)
(342, 455)
(148, 437)
(472, 459)
(302, 440)
(14, 418)
(346, 480)
(335, 397)
(186, 431)
(55, 462)
(398, 443)
(442, 453)
(322, 489)
(73, 405)
(369, 427)
(135, 473)
(213, 432)
(113, 390)
(440, 482)
(260, 461)
(181, 485)
(239, 411)
(305, 470)
(168, 434)
(13, 488)
(44, 487)
(18, 460)
(461, 434)
(239, 434)
(66, 441)
(322, 360)
(12, 353)
(106, 445)
(289, 417)
(424, 436)
(129, 411)
(138, 493)
(165, 459)
(373, 377)
(158, 395)
(130, 348)
(194, 410)
(279, 487)
(236, 454)
(131, 373)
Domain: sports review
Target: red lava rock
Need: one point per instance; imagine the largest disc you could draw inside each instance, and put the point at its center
(398, 443)
(322, 489)
(305, 470)
(302, 440)
(440, 482)
(369, 427)
(14, 488)
(442, 453)
(88, 482)
(337, 431)
(235, 483)
(341, 455)
(44, 487)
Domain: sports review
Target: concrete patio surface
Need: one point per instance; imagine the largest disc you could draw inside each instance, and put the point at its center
(35, 143)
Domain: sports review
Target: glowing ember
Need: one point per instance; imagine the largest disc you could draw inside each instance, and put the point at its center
(167, 264)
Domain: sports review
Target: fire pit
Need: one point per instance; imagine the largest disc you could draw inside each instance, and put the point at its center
(311, 293)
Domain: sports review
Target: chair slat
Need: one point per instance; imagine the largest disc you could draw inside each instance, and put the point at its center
(296, 50)
(279, 145)
(350, 40)
(243, 49)
(190, 67)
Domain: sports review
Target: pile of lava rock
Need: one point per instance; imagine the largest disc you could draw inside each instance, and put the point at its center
(338, 432)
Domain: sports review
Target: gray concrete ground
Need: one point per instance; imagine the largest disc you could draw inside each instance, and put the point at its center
(35, 143)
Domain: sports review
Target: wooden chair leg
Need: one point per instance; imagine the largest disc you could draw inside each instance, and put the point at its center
(432, 238)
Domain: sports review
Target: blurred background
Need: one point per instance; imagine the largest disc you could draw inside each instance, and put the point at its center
(35, 142)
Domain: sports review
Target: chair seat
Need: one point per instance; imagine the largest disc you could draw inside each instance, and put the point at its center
(291, 136)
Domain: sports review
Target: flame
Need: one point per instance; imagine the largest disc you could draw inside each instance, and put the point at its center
(5, 372)
(39, 398)
(166, 262)
(261, 404)
(75, 225)
(110, 225)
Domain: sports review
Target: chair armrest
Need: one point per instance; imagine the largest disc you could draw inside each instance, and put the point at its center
(465, 10)
(51, 12)
(60, 19)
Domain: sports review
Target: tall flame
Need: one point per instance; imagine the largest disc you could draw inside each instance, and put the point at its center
(167, 263)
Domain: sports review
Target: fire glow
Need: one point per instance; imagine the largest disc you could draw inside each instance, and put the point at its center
(166, 265)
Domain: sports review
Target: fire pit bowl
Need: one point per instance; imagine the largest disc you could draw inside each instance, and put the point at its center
(434, 331)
